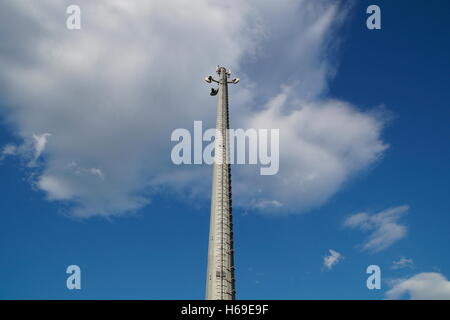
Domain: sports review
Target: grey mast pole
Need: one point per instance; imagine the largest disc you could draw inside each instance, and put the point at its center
(220, 281)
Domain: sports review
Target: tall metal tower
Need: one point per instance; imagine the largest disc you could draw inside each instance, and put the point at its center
(220, 282)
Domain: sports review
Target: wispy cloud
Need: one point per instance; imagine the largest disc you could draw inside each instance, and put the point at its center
(383, 227)
(402, 262)
(332, 259)
(30, 150)
(8, 150)
(422, 286)
(39, 143)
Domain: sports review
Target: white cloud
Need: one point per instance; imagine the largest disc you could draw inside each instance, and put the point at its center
(40, 141)
(97, 172)
(31, 148)
(264, 204)
(332, 259)
(402, 262)
(383, 227)
(112, 92)
(422, 286)
(75, 168)
(8, 150)
(322, 145)
(56, 189)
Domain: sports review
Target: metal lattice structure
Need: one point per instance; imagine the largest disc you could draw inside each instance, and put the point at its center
(220, 281)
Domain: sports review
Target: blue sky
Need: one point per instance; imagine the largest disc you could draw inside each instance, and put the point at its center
(157, 249)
